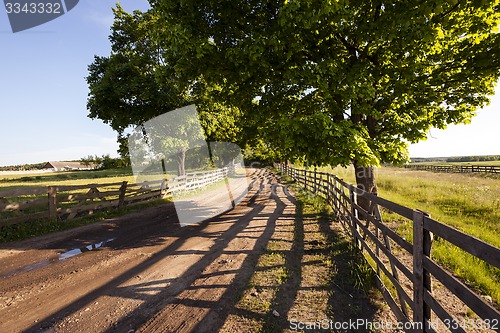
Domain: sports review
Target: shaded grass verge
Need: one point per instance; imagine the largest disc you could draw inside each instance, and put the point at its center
(40, 227)
(468, 202)
(309, 272)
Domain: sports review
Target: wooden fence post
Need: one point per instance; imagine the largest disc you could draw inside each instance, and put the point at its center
(335, 202)
(354, 216)
(309, 180)
(52, 197)
(123, 190)
(328, 188)
(315, 181)
(422, 244)
(163, 189)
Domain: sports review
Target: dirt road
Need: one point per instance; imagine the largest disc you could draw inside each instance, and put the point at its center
(141, 272)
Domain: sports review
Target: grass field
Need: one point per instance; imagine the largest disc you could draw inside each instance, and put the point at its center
(468, 202)
(488, 163)
(10, 182)
(15, 181)
(42, 226)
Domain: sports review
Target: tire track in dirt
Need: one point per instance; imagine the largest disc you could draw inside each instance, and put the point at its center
(123, 284)
(156, 276)
(205, 304)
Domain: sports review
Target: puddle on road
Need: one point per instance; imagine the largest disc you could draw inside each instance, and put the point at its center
(74, 252)
(59, 257)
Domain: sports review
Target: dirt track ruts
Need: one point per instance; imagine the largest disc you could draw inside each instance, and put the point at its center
(155, 276)
(128, 283)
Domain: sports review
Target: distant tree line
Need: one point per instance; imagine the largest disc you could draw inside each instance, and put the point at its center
(105, 161)
(22, 167)
(456, 159)
(473, 158)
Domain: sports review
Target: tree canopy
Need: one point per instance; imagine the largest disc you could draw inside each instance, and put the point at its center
(335, 82)
(134, 83)
(339, 81)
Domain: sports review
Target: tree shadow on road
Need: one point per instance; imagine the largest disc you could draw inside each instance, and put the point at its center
(268, 263)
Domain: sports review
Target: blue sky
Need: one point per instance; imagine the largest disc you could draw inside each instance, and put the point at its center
(43, 93)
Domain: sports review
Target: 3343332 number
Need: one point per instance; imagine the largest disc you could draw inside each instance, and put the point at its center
(474, 324)
(33, 8)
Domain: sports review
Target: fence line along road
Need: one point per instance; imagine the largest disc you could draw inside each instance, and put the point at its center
(412, 299)
(456, 168)
(67, 202)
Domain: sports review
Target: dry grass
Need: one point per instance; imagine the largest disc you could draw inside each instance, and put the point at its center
(468, 202)
(308, 272)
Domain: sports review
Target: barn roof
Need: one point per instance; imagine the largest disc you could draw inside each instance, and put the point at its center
(68, 165)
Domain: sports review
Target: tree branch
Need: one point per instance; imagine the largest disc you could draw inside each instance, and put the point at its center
(448, 12)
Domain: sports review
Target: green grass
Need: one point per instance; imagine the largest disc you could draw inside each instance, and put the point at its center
(30, 181)
(37, 180)
(487, 163)
(470, 204)
(8, 182)
(467, 202)
(43, 226)
(34, 228)
(360, 274)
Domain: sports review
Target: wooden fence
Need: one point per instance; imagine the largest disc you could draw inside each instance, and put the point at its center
(456, 168)
(407, 268)
(195, 180)
(67, 202)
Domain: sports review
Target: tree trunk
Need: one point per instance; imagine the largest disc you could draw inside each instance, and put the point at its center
(365, 180)
(232, 168)
(164, 169)
(181, 160)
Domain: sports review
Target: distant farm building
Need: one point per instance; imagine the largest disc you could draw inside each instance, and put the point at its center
(69, 166)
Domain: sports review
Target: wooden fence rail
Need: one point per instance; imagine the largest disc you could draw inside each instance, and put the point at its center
(65, 202)
(456, 168)
(408, 267)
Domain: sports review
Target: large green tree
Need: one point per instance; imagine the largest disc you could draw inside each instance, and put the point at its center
(340, 81)
(124, 86)
(135, 84)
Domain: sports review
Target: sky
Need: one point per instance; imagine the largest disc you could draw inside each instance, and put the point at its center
(43, 94)
(480, 137)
